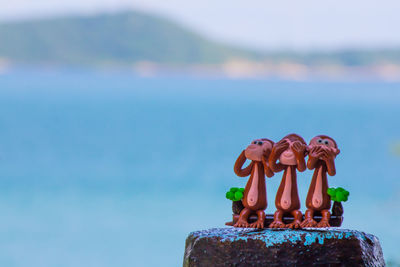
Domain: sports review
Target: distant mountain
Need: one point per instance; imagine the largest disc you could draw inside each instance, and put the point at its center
(122, 38)
(132, 37)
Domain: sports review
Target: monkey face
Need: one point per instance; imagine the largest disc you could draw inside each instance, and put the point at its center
(257, 149)
(321, 143)
(287, 157)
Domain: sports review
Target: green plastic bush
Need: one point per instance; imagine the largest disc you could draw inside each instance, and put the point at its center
(338, 194)
(235, 194)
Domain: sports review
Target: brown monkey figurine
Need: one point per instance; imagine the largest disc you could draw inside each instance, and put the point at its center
(322, 153)
(255, 195)
(290, 151)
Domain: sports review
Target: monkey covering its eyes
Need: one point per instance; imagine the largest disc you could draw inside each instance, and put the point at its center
(290, 152)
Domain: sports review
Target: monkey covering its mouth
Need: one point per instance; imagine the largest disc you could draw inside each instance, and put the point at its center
(322, 153)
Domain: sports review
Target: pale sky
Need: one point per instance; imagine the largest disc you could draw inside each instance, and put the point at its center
(265, 24)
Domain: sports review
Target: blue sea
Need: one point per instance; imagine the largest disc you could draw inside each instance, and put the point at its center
(111, 169)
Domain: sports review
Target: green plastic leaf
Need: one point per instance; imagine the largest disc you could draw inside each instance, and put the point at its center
(241, 190)
(238, 196)
(340, 189)
(346, 193)
(230, 195)
(234, 189)
(340, 196)
(331, 191)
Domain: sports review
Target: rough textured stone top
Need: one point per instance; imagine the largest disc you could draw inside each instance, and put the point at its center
(282, 247)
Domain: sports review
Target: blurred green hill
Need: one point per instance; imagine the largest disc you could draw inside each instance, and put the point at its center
(109, 39)
(131, 37)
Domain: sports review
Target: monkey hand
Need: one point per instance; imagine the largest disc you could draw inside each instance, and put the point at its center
(315, 151)
(280, 146)
(298, 148)
(327, 155)
(265, 155)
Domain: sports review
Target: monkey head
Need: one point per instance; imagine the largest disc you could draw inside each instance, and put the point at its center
(322, 143)
(258, 148)
(289, 145)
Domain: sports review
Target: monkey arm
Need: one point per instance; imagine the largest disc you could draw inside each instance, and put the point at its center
(301, 164)
(272, 162)
(239, 164)
(311, 162)
(277, 150)
(267, 170)
(330, 164)
(299, 150)
(329, 158)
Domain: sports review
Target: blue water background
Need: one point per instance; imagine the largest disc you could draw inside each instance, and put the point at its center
(111, 169)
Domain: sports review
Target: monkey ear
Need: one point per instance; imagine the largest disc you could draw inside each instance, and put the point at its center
(337, 151)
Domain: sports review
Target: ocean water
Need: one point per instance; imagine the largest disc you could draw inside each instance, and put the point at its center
(111, 169)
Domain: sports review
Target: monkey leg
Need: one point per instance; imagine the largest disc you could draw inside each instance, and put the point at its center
(244, 215)
(309, 219)
(277, 223)
(260, 221)
(326, 215)
(296, 224)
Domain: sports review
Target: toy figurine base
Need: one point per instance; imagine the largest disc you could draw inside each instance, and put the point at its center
(335, 221)
(282, 247)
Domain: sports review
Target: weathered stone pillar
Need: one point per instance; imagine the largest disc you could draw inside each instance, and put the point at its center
(281, 247)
